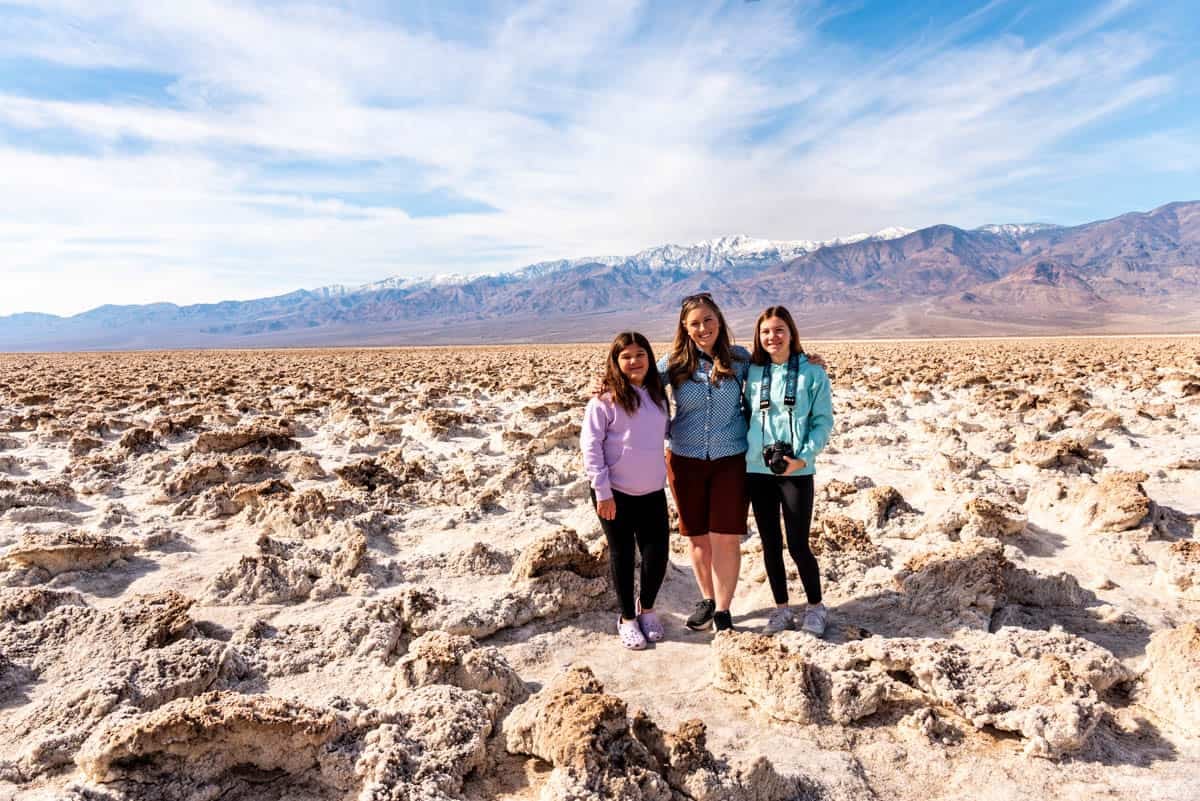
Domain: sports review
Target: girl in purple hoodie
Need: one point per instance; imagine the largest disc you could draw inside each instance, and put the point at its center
(622, 441)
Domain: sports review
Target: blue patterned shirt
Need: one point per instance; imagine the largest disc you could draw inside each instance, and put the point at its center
(706, 420)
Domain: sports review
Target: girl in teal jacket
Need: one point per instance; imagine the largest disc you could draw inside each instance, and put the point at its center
(791, 416)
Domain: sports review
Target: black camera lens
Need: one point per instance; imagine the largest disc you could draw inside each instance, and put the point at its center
(775, 456)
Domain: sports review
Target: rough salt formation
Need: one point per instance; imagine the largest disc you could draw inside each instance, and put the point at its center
(207, 735)
(288, 571)
(440, 658)
(138, 441)
(557, 576)
(62, 551)
(599, 751)
(428, 747)
(960, 585)
(399, 543)
(1114, 508)
(103, 663)
(476, 560)
(991, 519)
(1118, 502)
(842, 534)
(422, 744)
(197, 476)
(1181, 385)
(876, 506)
(16, 494)
(444, 423)
(1097, 420)
(302, 515)
(1042, 685)
(1179, 570)
(81, 445)
(33, 603)
(1172, 678)
(558, 552)
(372, 632)
(1064, 452)
(276, 436)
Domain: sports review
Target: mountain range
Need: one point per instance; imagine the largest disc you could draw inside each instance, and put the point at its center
(1136, 273)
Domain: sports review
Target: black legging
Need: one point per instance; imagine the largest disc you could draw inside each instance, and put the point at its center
(795, 495)
(641, 519)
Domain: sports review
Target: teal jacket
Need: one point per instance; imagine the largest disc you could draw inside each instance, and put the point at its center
(812, 416)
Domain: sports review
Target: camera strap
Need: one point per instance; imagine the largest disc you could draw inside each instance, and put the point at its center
(789, 393)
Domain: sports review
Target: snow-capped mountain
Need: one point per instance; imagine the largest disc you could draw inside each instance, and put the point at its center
(1017, 229)
(399, 282)
(544, 268)
(711, 255)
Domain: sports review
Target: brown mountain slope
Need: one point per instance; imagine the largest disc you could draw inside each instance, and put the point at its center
(1140, 253)
(1040, 283)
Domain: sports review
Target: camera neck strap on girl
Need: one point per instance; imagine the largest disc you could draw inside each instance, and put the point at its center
(789, 391)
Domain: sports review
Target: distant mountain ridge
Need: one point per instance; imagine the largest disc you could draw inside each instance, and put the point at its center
(1139, 271)
(711, 255)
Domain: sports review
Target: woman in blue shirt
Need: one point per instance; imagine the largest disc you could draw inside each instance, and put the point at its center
(792, 415)
(706, 463)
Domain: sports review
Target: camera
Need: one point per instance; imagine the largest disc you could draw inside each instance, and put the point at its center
(776, 455)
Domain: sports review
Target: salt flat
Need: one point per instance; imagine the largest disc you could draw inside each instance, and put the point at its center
(319, 574)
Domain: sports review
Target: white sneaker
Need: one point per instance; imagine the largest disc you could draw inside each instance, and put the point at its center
(815, 619)
(631, 634)
(781, 619)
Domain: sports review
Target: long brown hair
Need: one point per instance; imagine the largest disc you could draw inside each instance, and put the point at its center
(685, 356)
(759, 355)
(617, 383)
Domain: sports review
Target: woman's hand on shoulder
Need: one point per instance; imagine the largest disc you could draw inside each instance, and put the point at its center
(597, 388)
(818, 360)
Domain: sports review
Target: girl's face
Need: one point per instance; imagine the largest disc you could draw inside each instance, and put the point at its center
(775, 337)
(702, 326)
(633, 362)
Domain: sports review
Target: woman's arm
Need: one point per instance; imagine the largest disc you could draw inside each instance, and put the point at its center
(591, 442)
(820, 420)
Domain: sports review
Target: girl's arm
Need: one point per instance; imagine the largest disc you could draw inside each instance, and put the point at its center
(746, 411)
(661, 366)
(591, 441)
(820, 420)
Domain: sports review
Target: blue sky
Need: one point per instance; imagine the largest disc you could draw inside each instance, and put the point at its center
(200, 151)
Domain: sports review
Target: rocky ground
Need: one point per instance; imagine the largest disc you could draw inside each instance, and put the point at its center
(374, 574)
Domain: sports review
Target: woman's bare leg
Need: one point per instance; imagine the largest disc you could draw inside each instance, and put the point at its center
(726, 564)
(702, 563)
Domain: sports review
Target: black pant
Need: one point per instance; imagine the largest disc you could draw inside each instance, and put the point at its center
(641, 519)
(795, 495)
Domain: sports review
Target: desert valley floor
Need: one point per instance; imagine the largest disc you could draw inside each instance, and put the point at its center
(375, 574)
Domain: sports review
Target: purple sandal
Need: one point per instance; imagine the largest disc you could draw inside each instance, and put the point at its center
(651, 626)
(631, 634)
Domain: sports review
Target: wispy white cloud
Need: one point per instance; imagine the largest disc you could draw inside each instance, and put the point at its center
(588, 129)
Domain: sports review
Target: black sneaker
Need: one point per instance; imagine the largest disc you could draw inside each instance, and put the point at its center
(702, 615)
(722, 621)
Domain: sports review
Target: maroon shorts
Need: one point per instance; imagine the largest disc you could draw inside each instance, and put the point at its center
(710, 495)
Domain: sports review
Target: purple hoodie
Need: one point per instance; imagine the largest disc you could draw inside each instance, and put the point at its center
(624, 452)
